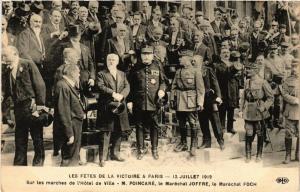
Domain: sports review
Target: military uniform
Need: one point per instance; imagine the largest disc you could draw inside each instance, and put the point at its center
(290, 93)
(145, 82)
(276, 70)
(187, 95)
(256, 99)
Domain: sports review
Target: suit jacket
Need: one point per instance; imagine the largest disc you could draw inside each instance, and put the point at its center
(203, 51)
(112, 46)
(86, 64)
(217, 29)
(254, 44)
(47, 29)
(106, 120)
(28, 84)
(29, 47)
(68, 112)
(140, 32)
(150, 28)
(228, 83)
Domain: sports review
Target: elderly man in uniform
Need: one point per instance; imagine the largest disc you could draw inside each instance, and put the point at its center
(147, 88)
(187, 98)
(111, 119)
(212, 98)
(27, 89)
(69, 114)
(290, 93)
(256, 99)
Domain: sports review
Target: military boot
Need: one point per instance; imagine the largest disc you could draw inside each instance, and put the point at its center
(194, 142)
(288, 150)
(248, 148)
(182, 146)
(260, 146)
(154, 143)
(297, 150)
(141, 150)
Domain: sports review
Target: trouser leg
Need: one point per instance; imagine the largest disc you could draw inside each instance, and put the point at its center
(216, 126)
(260, 141)
(297, 150)
(222, 114)
(204, 125)
(230, 115)
(154, 135)
(39, 151)
(192, 118)
(21, 142)
(104, 145)
(116, 138)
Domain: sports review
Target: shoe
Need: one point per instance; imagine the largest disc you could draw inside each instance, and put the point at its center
(222, 146)
(232, 131)
(205, 144)
(141, 153)
(193, 151)
(101, 163)
(181, 147)
(155, 155)
(117, 158)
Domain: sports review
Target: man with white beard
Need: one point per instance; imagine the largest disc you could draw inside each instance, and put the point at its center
(30, 43)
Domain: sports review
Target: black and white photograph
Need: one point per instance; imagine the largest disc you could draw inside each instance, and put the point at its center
(150, 95)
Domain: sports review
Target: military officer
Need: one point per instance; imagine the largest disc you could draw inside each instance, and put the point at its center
(187, 98)
(212, 98)
(147, 87)
(256, 99)
(290, 93)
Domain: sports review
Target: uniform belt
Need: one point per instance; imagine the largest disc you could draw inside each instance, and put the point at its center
(252, 100)
(186, 89)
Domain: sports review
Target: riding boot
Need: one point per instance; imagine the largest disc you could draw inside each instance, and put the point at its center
(297, 150)
(288, 150)
(154, 142)
(140, 143)
(194, 142)
(260, 144)
(248, 148)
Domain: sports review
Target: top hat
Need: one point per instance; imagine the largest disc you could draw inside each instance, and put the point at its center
(116, 107)
(74, 30)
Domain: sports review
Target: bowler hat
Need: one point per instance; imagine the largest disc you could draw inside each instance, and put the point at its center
(44, 119)
(116, 107)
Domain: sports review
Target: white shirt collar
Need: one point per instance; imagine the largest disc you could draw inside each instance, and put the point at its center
(72, 83)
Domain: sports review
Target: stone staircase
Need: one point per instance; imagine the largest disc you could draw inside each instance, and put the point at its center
(234, 146)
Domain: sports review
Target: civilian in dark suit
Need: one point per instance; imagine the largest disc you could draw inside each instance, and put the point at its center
(201, 49)
(217, 24)
(153, 23)
(89, 30)
(51, 32)
(19, 21)
(30, 43)
(138, 31)
(69, 114)
(26, 87)
(121, 46)
(113, 89)
(255, 38)
(86, 64)
(226, 72)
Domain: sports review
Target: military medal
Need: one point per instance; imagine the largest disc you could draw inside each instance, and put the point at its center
(153, 81)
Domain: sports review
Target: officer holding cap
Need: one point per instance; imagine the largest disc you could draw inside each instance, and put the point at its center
(187, 98)
(256, 99)
(147, 87)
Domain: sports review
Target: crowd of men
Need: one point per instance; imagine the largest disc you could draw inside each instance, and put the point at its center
(57, 54)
